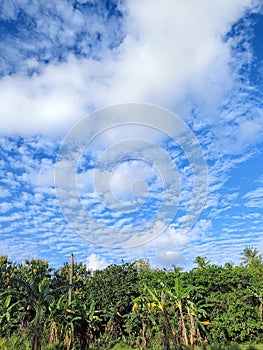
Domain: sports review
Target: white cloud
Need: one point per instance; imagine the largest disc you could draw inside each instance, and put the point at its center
(161, 60)
(126, 175)
(169, 247)
(43, 177)
(95, 262)
(5, 207)
(172, 54)
(250, 131)
(169, 258)
(254, 198)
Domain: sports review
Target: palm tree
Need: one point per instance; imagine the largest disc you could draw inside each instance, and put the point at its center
(201, 262)
(250, 256)
(177, 270)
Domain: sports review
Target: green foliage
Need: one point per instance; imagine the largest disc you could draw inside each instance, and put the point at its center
(54, 346)
(251, 347)
(14, 342)
(122, 346)
(131, 306)
(201, 262)
(250, 256)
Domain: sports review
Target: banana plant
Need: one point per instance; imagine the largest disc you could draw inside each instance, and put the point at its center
(56, 309)
(88, 322)
(179, 297)
(38, 296)
(76, 321)
(195, 313)
(6, 311)
(144, 315)
(159, 300)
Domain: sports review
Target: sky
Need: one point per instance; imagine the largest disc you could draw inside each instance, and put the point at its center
(131, 129)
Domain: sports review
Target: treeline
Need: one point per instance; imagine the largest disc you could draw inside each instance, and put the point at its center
(130, 304)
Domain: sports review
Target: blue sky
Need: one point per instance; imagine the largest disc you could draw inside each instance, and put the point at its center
(65, 65)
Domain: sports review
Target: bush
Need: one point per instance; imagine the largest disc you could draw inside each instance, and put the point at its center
(14, 343)
(251, 347)
(122, 346)
(221, 346)
(54, 346)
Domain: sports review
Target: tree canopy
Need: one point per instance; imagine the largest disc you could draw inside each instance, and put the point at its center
(132, 303)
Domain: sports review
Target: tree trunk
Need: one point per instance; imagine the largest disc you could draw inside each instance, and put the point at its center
(144, 340)
(184, 332)
(166, 343)
(192, 328)
(198, 337)
(167, 322)
(260, 312)
(36, 341)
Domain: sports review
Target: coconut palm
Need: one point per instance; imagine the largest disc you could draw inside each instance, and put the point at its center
(250, 256)
(201, 262)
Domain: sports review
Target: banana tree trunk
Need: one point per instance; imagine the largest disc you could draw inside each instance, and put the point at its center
(144, 340)
(192, 328)
(167, 322)
(166, 337)
(36, 341)
(183, 328)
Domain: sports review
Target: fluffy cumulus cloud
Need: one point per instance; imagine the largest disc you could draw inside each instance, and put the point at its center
(95, 262)
(169, 258)
(155, 57)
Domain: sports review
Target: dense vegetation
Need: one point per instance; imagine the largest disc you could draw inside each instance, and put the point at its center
(131, 305)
